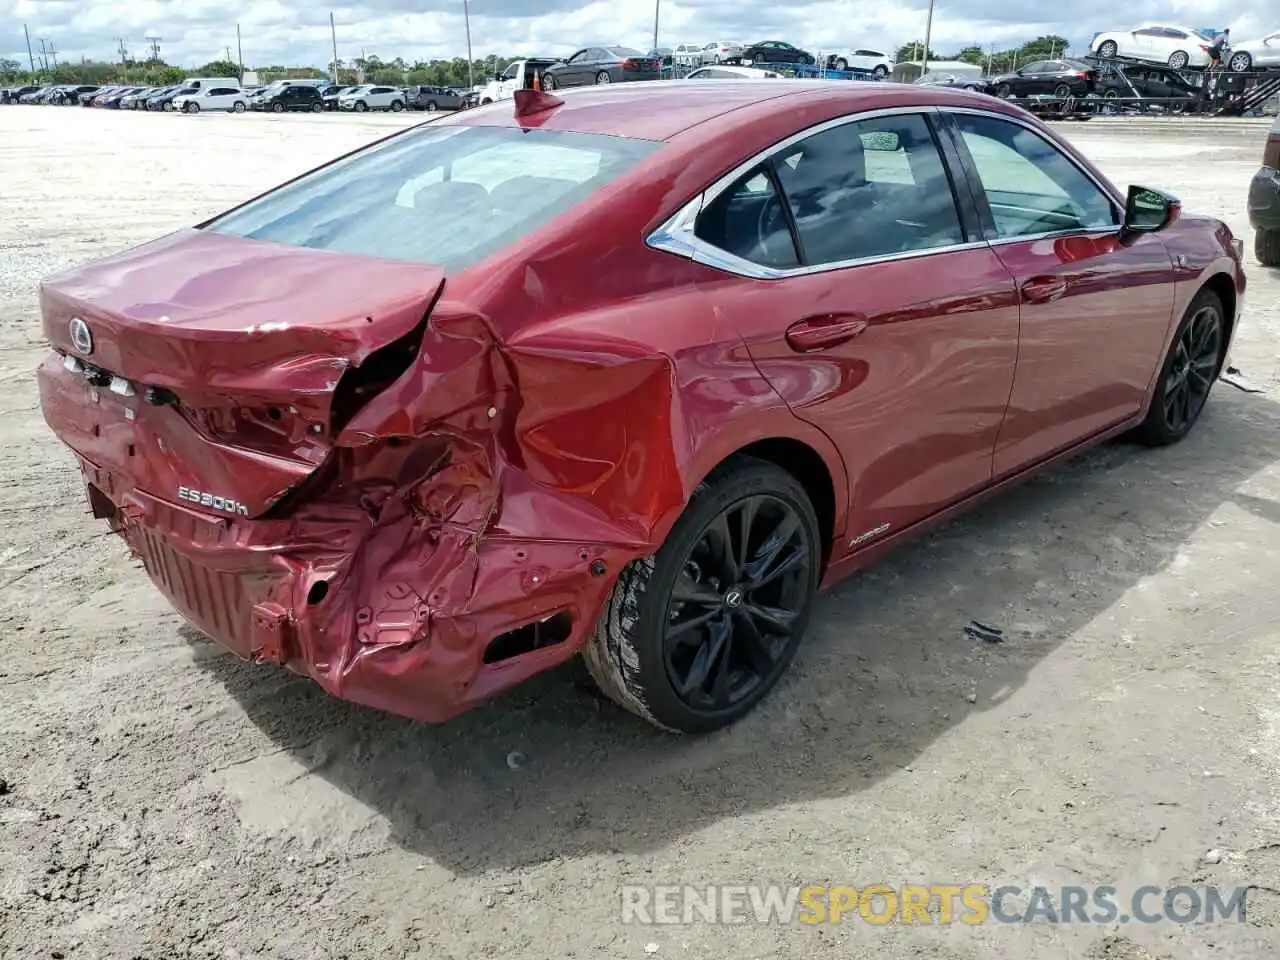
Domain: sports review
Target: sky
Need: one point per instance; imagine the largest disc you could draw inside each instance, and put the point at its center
(296, 32)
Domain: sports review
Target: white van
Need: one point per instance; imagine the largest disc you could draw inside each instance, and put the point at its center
(200, 83)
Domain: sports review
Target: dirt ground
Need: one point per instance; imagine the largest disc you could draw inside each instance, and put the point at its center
(160, 799)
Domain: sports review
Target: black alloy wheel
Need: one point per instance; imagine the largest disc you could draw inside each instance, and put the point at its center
(692, 638)
(736, 603)
(1188, 374)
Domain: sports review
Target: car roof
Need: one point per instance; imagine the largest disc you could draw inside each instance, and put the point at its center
(661, 109)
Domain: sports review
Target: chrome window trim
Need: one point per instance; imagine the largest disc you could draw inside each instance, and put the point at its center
(676, 234)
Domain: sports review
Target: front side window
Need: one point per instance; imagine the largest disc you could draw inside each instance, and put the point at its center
(1031, 185)
(442, 195)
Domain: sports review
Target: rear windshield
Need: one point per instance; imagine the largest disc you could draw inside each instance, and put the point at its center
(446, 195)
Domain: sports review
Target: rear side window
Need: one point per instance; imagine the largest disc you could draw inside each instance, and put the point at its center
(749, 220)
(443, 195)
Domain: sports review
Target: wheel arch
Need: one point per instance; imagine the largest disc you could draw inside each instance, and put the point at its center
(811, 459)
(1224, 287)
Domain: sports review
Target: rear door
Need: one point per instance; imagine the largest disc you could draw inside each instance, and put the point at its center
(1095, 310)
(871, 304)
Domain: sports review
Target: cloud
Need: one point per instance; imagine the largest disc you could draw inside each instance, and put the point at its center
(295, 32)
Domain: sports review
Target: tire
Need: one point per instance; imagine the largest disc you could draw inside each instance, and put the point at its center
(238, 107)
(1004, 91)
(1062, 91)
(1187, 374)
(628, 656)
(1178, 60)
(361, 106)
(397, 106)
(841, 64)
(277, 107)
(191, 108)
(1108, 49)
(317, 107)
(880, 72)
(1240, 62)
(431, 106)
(548, 84)
(603, 77)
(1266, 247)
(1111, 94)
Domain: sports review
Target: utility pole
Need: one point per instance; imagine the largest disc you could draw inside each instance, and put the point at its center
(155, 48)
(239, 54)
(657, 5)
(928, 30)
(466, 15)
(333, 34)
(44, 54)
(30, 56)
(124, 53)
(991, 50)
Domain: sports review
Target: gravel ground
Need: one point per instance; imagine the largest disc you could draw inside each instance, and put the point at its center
(160, 799)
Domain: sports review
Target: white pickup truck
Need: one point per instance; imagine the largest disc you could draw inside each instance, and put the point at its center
(517, 76)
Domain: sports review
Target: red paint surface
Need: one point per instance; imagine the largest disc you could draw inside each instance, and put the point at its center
(566, 397)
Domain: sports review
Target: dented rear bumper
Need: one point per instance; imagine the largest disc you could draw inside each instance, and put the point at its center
(404, 613)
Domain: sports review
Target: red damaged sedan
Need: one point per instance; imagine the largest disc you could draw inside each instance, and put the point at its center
(630, 373)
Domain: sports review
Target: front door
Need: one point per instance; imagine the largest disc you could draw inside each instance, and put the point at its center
(1095, 309)
(874, 313)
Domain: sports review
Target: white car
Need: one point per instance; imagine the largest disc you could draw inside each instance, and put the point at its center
(368, 97)
(880, 65)
(212, 98)
(718, 51)
(1179, 47)
(727, 72)
(687, 55)
(1255, 54)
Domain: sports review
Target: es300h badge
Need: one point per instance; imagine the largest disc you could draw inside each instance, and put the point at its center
(209, 500)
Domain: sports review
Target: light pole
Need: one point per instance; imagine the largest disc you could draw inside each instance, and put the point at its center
(928, 29)
(466, 14)
(657, 5)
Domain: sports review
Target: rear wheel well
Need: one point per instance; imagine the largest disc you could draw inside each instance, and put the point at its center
(1222, 285)
(807, 466)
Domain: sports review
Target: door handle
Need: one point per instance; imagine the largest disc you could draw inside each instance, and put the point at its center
(824, 330)
(1044, 289)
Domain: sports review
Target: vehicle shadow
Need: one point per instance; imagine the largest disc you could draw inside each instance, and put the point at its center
(885, 670)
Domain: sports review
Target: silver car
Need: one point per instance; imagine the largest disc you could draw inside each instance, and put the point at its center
(1255, 54)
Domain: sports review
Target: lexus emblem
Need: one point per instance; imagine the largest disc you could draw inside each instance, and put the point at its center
(81, 338)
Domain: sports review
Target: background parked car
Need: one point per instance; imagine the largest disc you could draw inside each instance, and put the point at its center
(601, 65)
(370, 97)
(1149, 80)
(662, 54)
(14, 94)
(432, 99)
(721, 51)
(956, 81)
(71, 95)
(775, 51)
(1261, 54)
(1061, 78)
(687, 55)
(878, 64)
(727, 71)
(329, 95)
(231, 99)
(1179, 47)
(112, 100)
(134, 101)
(294, 97)
(1264, 202)
(165, 100)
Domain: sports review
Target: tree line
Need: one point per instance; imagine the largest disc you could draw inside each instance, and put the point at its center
(370, 69)
(442, 73)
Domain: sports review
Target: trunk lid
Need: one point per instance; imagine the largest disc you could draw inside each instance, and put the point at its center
(204, 368)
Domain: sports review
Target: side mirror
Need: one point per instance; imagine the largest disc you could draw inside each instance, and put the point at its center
(1147, 210)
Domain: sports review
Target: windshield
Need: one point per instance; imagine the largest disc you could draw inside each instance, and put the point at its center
(442, 195)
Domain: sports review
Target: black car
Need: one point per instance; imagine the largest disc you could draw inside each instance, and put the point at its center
(13, 93)
(165, 100)
(292, 97)
(72, 95)
(775, 51)
(1148, 81)
(432, 99)
(595, 65)
(1058, 78)
(329, 95)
